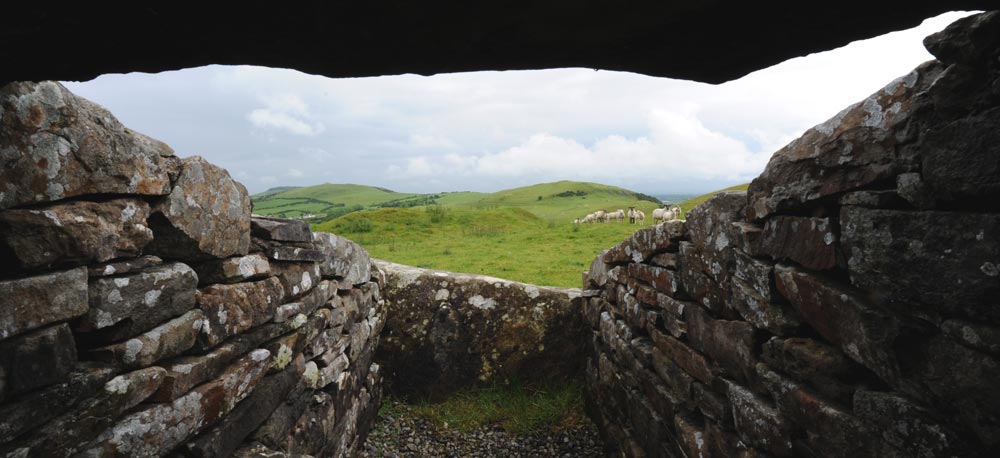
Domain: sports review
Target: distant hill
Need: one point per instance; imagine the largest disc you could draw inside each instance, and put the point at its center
(323, 202)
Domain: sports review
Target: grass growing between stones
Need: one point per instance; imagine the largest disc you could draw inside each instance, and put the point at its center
(518, 408)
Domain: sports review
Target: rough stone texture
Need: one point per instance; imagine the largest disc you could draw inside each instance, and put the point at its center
(284, 230)
(858, 147)
(55, 145)
(159, 428)
(205, 216)
(233, 270)
(232, 309)
(36, 359)
(810, 242)
(646, 243)
(345, 260)
(28, 303)
(297, 278)
(167, 340)
(122, 267)
(448, 330)
(124, 306)
(73, 233)
(930, 264)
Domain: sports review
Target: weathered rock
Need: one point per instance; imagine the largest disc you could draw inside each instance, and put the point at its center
(645, 243)
(759, 423)
(225, 437)
(754, 297)
(692, 362)
(811, 242)
(258, 450)
(122, 267)
(65, 435)
(907, 426)
(873, 199)
(460, 329)
(38, 407)
(822, 366)
(73, 233)
(232, 270)
(124, 306)
(895, 254)
(232, 309)
(597, 275)
(206, 215)
(32, 302)
(973, 335)
(167, 340)
(297, 278)
(36, 359)
(912, 188)
(345, 260)
(842, 317)
(709, 225)
(279, 229)
(55, 145)
(970, 41)
(159, 428)
(729, 343)
(856, 148)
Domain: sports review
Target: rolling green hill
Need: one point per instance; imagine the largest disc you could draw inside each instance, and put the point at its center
(325, 201)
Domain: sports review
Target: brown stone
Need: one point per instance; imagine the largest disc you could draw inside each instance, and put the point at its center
(285, 252)
(345, 260)
(645, 243)
(122, 267)
(73, 233)
(811, 242)
(66, 434)
(843, 318)
(729, 343)
(159, 428)
(279, 229)
(689, 360)
(55, 145)
(167, 340)
(907, 426)
(232, 309)
(297, 278)
(928, 264)
(206, 216)
(36, 359)
(32, 302)
(232, 270)
(665, 281)
(759, 423)
(127, 305)
(753, 296)
(856, 148)
(822, 366)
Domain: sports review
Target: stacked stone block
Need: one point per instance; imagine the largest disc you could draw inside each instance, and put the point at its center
(845, 306)
(145, 312)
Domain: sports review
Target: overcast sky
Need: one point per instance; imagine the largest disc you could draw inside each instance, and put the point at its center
(487, 131)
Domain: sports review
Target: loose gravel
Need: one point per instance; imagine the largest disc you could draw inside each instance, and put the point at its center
(398, 433)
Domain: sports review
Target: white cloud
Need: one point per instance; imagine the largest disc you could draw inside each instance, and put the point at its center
(295, 173)
(285, 112)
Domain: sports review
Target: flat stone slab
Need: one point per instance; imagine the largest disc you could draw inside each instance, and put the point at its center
(55, 145)
(32, 302)
(233, 309)
(167, 340)
(279, 229)
(36, 359)
(233, 270)
(344, 260)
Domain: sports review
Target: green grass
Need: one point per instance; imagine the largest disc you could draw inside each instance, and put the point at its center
(693, 202)
(519, 409)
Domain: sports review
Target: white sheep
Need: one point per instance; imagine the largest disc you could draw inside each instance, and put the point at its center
(660, 215)
(601, 216)
(618, 215)
(589, 218)
(675, 213)
(639, 215)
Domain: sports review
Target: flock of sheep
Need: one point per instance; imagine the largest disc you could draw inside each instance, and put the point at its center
(635, 216)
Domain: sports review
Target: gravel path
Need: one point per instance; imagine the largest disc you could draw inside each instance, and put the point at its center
(403, 435)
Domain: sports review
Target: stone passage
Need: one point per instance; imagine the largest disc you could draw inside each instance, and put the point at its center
(446, 331)
(846, 306)
(143, 312)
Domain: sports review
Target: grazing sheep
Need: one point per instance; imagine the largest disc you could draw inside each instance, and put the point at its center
(601, 215)
(618, 215)
(589, 218)
(577, 221)
(632, 213)
(660, 215)
(639, 215)
(675, 212)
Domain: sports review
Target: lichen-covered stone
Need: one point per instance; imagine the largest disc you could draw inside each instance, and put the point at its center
(124, 306)
(159, 428)
(232, 309)
(279, 229)
(645, 243)
(729, 343)
(460, 329)
(32, 302)
(811, 242)
(297, 278)
(856, 148)
(55, 145)
(73, 233)
(36, 359)
(843, 318)
(205, 216)
(928, 264)
(123, 266)
(167, 340)
(66, 434)
(232, 270)
(755, 299)
(907, 426)
(345, 260)
(822, 366)
(759, 423)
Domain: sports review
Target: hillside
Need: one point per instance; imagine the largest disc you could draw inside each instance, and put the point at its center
(325, 201)
(563, 201)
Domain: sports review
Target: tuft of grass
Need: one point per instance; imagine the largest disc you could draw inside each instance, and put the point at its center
(518, 408)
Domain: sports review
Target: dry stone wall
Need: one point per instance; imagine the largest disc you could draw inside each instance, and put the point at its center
(144, 312)
(445, 331)
(845, 306)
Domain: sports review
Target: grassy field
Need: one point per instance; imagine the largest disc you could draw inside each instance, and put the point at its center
(514, 235)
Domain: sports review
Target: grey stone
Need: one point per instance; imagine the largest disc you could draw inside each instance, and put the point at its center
(811, 242)
(233, 309)
(55, 145)
(205, 216)
(298, 278)
(345, 260)
(122, 267)
(282, 230)
(645, 243)
(36, 359)
(232, 270)
(32, 302)
(167, 340)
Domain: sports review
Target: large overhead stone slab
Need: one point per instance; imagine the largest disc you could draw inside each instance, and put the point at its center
(55, 145)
